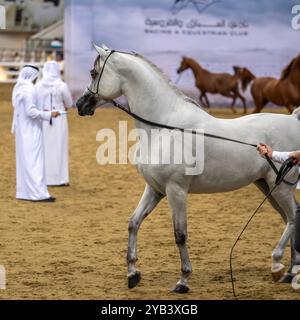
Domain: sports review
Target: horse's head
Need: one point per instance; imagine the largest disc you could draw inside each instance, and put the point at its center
(105, 83)
(237, 70)
(183, 65)
(245, 76)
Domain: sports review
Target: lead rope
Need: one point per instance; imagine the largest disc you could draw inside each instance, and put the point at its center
(51, 108)
(239, 238)
(165, 126)
(209, 135)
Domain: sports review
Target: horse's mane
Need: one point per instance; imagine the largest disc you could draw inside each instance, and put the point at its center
(286, 71)
(167, 79)
(97, 60)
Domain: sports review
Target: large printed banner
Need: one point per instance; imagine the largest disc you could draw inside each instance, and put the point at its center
(257, 34)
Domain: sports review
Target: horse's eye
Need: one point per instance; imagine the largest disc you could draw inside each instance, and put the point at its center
(93, 73)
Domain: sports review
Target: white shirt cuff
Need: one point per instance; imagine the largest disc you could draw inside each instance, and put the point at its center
(280, 156)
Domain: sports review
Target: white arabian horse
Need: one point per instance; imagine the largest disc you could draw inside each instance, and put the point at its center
(227, 165)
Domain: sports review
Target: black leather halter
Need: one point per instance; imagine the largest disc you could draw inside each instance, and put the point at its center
(100, 76)
(96, 93)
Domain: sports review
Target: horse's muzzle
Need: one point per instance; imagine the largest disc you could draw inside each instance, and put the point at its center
(86, 105)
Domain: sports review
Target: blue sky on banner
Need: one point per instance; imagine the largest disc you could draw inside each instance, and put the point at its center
(111, 21)
(255, 10)
(265, 43)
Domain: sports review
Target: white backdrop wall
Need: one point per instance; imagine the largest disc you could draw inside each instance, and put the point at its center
(217, 33)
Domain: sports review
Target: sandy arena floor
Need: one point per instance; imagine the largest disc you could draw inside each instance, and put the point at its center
(76, 248)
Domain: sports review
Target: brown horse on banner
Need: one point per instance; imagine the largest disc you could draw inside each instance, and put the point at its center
(217, 83)
(283, 92)
(245, 76)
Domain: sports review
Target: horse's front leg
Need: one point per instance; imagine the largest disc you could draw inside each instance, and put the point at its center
(207, 101)
(147, 203)
(233, 96)
(243, 101)
(202, 100)
(177, 201)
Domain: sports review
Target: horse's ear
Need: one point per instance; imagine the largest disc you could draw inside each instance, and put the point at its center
(236, 69)
(103, 46)
(101, 51)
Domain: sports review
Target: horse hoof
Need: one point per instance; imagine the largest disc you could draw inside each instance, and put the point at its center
(278, 272)
(296, 269)
(180, 288)
(134, 279)
(296, 282)
(286, 278)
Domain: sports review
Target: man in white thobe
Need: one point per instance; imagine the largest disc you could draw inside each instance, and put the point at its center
(27, 127)
(53, 94)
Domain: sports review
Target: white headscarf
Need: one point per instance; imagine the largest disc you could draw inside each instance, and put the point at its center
(51, 73)
(24, 83)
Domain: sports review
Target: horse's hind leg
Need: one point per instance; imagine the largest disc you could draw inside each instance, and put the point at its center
(296, 241)
(177, 201)
(148, 202)
(295, 250)
(264, 188)
(284, 197)
(295, 256)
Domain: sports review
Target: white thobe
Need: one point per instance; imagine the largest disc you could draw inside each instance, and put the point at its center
(280, 157)
(55, 97)
(30, 165)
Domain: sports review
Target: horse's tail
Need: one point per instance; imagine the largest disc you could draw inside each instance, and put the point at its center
(296, 113)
